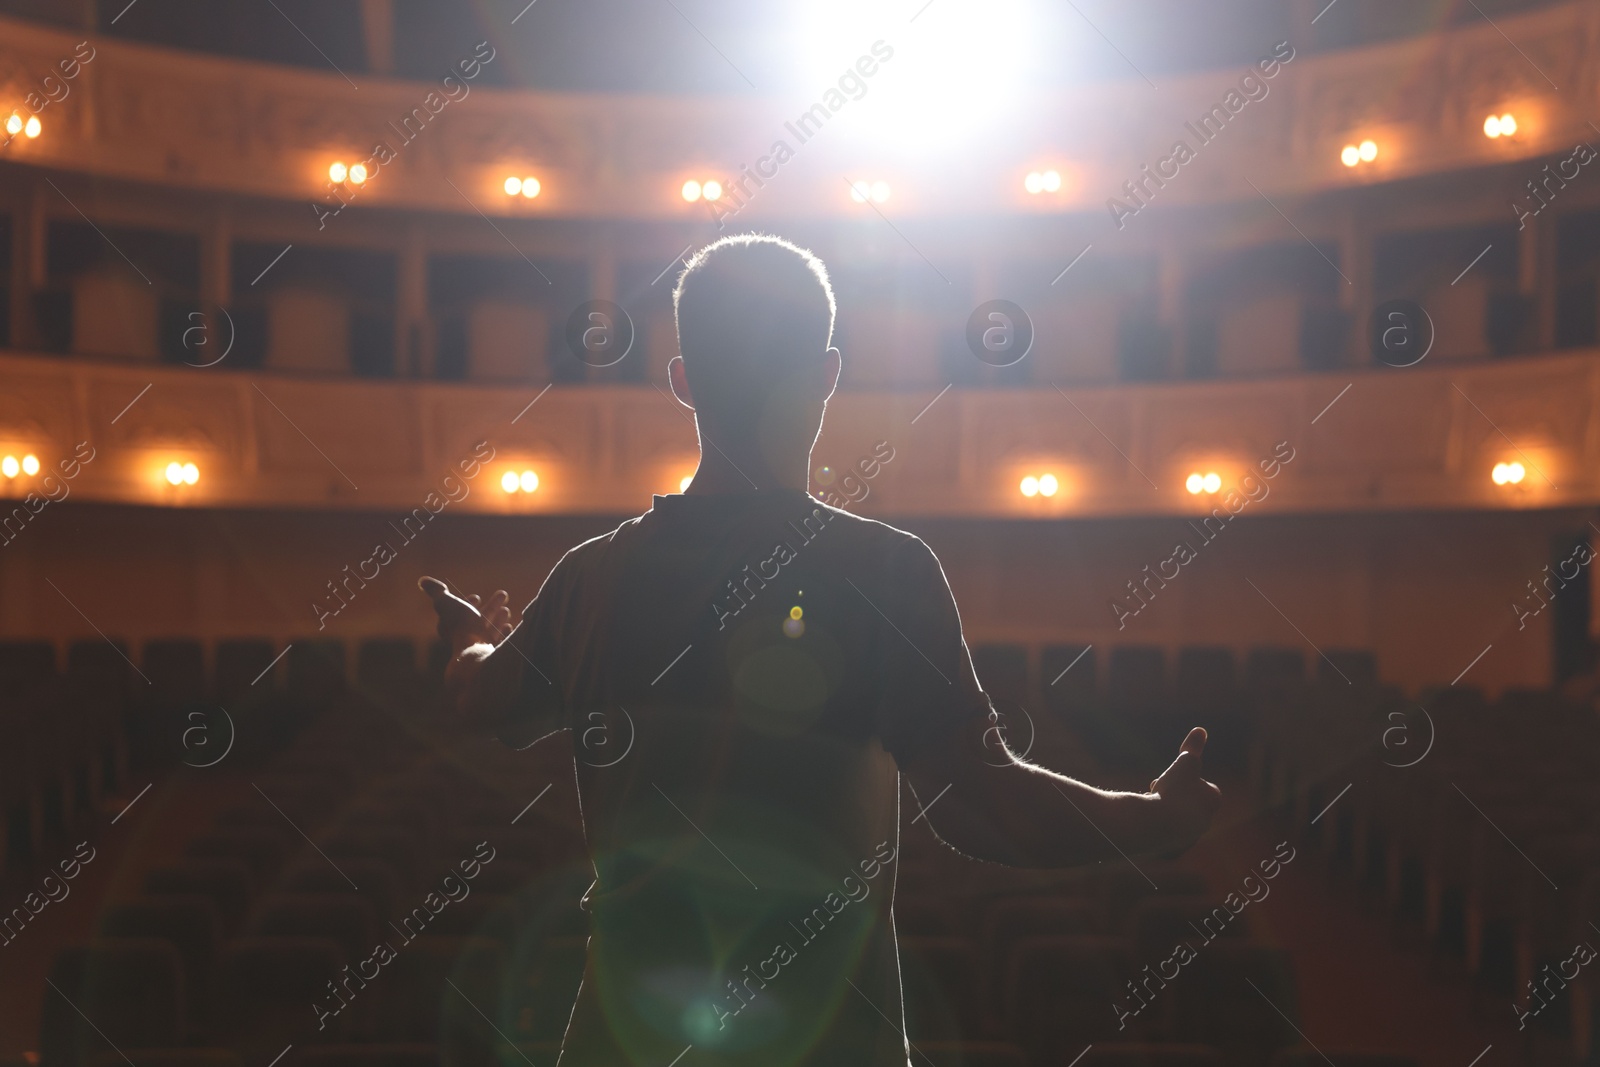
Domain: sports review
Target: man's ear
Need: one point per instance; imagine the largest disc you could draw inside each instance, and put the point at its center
(678, 378)
(830, 373)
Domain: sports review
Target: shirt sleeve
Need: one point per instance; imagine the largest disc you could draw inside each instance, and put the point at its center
(929, 689)
(534, 649)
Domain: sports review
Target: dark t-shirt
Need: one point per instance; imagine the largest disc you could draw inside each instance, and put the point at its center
(740, 674)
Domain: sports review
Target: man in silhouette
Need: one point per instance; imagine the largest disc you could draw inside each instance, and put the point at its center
(782, 663)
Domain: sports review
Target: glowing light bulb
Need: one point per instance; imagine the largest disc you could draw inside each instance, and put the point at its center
(1052, 181)
(513, 185)
(508, 481)
(711, 190)
(683, 485)
(1048, 485)
(32, 128)
(1034, 182)
(1350, 156)
(30, 464)
(1368, 151)
(1508, 125)
(529, 481)
(880, 191)
(14, 124)
(175, 473)
(691, 190)
(1491, 126)
(1195, 482)
(530, 188)
(860, 192)
(191, 473)
(1212, 482)
(1029, 486)
(1515, 473)
(358, 173)
(338, 172)
(9, 466)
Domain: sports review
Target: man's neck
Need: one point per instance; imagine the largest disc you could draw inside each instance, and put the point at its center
(735, 467)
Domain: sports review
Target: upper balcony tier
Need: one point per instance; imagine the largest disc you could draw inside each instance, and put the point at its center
(177, 119)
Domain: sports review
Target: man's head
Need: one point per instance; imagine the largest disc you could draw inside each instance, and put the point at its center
(755, 323)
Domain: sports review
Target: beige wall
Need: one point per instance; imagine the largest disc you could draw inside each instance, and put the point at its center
(1426, 592)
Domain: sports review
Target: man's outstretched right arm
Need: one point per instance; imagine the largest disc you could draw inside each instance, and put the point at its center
(994, 806)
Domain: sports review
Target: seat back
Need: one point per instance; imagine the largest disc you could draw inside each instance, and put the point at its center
(131, 987)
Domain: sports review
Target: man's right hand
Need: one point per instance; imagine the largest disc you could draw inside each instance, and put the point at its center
(469, 621)
(1189, 801)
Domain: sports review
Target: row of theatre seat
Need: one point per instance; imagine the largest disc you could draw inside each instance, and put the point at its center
(78, 732)
(1471, 826)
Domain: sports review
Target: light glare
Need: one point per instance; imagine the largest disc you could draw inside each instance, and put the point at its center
(529, 481)
(14, 124)
(1213, 481)
(9, 466)
(1030, 486)
(190, 473)
(358, 174)
(530, 187)
(1508, 125)
(1491, 126)
(33, 127)
(1369, 151)
(1195, 482)
(30, 464)
(1350, 156)
(513, 185)
(683, 484)
(691, 190)
(175, 472)
(508, 481)
(1048, 485)
(712, 190)
(338, 172)
(880, 191)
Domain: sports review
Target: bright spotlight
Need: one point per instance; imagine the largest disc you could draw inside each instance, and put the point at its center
(32, 127)
(932, 87)
(175, 473)
(1034, 182)
(1052, 181)
(14, 124)
(529, 481)
(712, 190)
(1195, 483)
(358, 173)
(1048, 485)
(1350, 156)
(880, 192)
(1491, 126)
(530, 187)
(513, 185)
(1508, 125)
(190, 473)
(691, 190)
(1029, 486)
(30, 464)
(9, 466)
(1368, 151)
(508, 481)
(860, 191)
(683, 483)
(1212, 482)
(338, 172)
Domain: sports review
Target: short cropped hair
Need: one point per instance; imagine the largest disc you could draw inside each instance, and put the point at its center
(750, 308)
